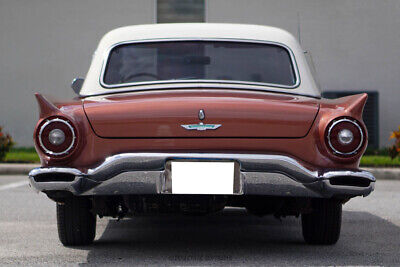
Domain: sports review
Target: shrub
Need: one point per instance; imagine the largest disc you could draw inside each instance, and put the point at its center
(6, 142)
(377, 152)
(394, 151)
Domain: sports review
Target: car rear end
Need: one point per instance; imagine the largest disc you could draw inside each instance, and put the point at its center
(194, 126)
(132, 153)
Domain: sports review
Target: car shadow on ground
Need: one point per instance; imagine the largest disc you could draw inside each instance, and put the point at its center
(235, 237)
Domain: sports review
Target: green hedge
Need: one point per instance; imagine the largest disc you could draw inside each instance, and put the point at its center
(23, 155)
(379, 161)
(28, 154)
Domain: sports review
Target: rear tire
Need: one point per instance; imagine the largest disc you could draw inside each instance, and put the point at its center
(76, 224)
(322, 225)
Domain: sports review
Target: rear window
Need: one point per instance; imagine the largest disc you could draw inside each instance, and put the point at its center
(199, 60)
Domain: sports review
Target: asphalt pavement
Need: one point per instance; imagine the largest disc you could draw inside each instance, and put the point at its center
(28, 235)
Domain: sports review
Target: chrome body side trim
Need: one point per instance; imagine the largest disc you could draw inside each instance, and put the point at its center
(146, 173)
(110, 86)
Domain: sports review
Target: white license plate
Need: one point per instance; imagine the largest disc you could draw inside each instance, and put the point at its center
(202, 177)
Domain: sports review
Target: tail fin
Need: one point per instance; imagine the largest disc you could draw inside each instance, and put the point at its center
(352, 105)
(355, 104)
(46, 108)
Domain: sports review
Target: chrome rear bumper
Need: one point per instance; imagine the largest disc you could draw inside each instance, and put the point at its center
(145, 173)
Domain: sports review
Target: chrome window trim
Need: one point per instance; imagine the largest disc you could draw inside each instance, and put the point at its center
(52, 152)
(227, 82)
(358, 147)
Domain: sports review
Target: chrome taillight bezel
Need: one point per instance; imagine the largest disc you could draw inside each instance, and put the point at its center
(69, 125)
(357, 125)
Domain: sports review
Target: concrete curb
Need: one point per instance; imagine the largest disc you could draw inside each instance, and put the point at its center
(16, 168)
(24, 169)
(385, 173)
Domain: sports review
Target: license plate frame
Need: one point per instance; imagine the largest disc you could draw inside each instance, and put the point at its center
(210, 182)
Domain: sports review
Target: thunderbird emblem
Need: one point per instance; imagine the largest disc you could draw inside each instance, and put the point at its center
(201, 126)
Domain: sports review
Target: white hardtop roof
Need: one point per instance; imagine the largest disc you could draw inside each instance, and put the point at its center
(197, 31)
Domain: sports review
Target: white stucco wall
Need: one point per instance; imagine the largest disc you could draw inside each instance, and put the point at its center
(355, 44)
(44, 44)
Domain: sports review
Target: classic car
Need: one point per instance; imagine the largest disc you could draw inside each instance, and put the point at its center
(192, 118)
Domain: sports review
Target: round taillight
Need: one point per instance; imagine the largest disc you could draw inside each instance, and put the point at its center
(57, 136)
(345, 136)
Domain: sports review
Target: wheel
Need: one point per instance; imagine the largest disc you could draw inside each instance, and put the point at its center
(75, 222)
(322, 225)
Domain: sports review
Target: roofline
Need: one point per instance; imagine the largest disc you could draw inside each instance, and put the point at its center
(201, 31)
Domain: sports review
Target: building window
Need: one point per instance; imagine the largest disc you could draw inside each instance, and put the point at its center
(175, 11)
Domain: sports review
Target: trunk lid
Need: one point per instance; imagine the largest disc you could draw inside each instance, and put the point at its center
(161, 114)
